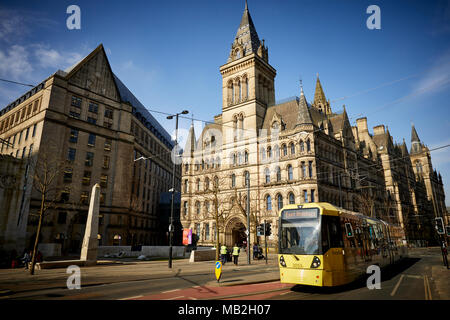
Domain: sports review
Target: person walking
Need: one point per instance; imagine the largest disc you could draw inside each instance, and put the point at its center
(223, 254)
(26, 259)
(236, 251)
(255, 251)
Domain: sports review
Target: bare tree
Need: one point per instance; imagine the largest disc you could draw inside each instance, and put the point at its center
(46, 170)
(366, 202)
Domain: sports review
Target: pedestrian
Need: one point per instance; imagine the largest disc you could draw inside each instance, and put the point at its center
(236, 251)
(223, 254)
(444, 254)
(26, 259)
(255, 251)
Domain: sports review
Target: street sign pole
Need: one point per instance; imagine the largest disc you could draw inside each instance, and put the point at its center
(265, 241)
(247, 177)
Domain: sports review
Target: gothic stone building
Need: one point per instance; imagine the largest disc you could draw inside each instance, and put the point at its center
(295, 152)
(88, 120)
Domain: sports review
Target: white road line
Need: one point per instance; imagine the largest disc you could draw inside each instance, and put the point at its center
(170, 291)
(284, 293)
(174, 298)
(397, 285)
(129, 298)
(192, 298)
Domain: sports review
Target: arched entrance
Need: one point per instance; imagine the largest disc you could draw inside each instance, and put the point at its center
(235, 232)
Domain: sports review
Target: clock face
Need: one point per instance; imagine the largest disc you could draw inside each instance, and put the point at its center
(7, 181)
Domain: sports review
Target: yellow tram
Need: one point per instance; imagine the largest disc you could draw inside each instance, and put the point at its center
(323, 245)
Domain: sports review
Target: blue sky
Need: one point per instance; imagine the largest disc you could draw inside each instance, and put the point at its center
(168, 53)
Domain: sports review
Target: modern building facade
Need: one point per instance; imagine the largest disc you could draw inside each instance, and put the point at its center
(95, 131)
(294, 151)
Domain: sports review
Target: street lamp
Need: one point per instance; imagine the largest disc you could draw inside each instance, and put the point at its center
(172, 190)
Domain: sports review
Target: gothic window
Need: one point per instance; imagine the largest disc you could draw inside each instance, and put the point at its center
(269, 152)
(290, 173)
(246, 157)
(185, 208)
(216, 182)
(246, 178)
(292, 146)
(246, 88)
(267, 175)
(198, 184)
(263, 154)
(302, 146)
(239, 158)
(278, 174)
(310, 168)
(303, 170)
(206, 183)
(305, 195)
(291, 198)
(268, 202)
(240, 90)
(233, 180)
(234, 159)
(418, 167)
(280, 201)
(197, 207)
(284, 147)
(308, 145)
(277, 151)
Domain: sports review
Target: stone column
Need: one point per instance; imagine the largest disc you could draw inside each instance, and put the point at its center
(90, 242)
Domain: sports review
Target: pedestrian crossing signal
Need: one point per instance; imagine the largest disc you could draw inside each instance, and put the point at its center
(268, 229)
(260, 230)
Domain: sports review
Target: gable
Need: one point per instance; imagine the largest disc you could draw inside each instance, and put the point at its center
(94, 73)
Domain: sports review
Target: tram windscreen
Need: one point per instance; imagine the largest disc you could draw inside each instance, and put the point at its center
(300, 231)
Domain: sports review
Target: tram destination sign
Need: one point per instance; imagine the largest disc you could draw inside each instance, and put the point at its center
(300, 213)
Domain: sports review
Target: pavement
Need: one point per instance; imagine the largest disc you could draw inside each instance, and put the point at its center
(243, 277)
(13, 281)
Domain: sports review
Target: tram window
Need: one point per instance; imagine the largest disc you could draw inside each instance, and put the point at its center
(331, 233)
(349, 230)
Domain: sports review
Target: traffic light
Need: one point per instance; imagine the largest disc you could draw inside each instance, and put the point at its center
(439, 225)
(260, 230)
(448, 230)
(268, 229)
(349, 230)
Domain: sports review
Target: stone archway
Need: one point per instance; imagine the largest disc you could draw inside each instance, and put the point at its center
(235, 232)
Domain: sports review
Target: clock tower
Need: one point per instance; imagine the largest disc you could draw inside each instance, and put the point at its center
(247, 82)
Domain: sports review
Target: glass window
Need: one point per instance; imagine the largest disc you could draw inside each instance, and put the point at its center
(93, 107)
(106, 162)
(269, 203)
(74, 114)
(68, 172)
(280, 201)
(305, 195)
(34, 130)
(71, 154)
(89, 161)
(31, 150)
(290, 173)
(87, 178)
(76, 101)
(26, 134)
(292, 148)
(104, 181)
(291, 198)
(267, 174)
(278, 174)
(84, 199)
(108, 144)
(233, 180)
(91, 140)
(310, 168)
(92, 120)
(62, 217)
(284, 150)
(109, 113)
(73, 135)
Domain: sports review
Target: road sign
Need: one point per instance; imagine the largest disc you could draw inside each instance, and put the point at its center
(246, 232)
(218, 270)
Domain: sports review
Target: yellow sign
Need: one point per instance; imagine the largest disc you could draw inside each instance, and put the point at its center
(218, 270)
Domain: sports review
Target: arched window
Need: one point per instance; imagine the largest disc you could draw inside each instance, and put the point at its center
(418, 167)
(269, 152)
(198, 184)
(246, 178)
(292, 146)
(233, 93)
(302, 146)
(186, 167)
(185, 208)
(234, 159)
(240, 90)
(239, 158)
(290, 172)
(233, 180)
(218, 162)
(246, 88)
(206, 183)
(207, 206)
(269, 202)
(246, 157)
(267, 175)
(278, 174)
(216, 182)
(197, 207)
(280, 201)
(263, 154)
(291, 198)
(277, 151)
(308, 145)
(284, 147)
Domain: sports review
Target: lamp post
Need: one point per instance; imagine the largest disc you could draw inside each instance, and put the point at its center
(173, 185)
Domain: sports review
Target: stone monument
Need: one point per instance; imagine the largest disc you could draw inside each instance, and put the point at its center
(90, 241)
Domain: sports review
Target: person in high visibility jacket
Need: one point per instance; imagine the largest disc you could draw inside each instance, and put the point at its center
(223, 254)
(236, 251)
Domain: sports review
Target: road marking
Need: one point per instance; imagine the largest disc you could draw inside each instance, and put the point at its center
(129, 298)
(192, 298)
(174, 298)
(170, 291)
(284, 293)
(397, 285)
(426, 285)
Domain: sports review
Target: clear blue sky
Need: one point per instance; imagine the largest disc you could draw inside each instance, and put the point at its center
(168, 53)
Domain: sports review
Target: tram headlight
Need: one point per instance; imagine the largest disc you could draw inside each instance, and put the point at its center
(282, 262)
(315, 263)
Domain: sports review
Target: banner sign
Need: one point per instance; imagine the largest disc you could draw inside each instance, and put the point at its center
(187, 236)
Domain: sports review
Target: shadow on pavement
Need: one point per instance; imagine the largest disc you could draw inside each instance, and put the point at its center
(197, 286)
(387, 273)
